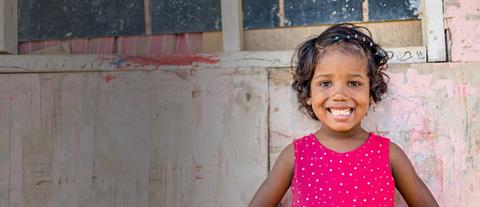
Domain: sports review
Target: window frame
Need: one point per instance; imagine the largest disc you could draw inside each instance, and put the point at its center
(433, 35)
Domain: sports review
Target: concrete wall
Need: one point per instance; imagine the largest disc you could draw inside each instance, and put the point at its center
(138, 133)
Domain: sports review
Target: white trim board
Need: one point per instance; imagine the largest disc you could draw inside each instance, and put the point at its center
(232, 25)
(8, 27)
(433, 31)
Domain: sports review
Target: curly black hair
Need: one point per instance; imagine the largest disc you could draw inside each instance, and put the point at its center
(349, 38)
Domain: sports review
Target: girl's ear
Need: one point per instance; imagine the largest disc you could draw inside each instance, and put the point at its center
(309, 101)
(372, 103)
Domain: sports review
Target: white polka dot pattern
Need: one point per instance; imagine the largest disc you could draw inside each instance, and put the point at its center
(361, 177)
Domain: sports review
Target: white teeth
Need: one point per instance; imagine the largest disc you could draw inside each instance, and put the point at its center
(344, 112)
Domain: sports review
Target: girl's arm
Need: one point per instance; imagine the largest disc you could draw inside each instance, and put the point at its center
(412, 188)
(278, 181)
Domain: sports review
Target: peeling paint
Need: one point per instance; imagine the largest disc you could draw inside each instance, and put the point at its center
(142, 61)
(463, 23)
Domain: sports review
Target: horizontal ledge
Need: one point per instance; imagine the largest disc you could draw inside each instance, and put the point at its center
(242, 59)
(284, 58)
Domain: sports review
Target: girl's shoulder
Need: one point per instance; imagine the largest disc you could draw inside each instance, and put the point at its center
(380, 140)
(395, 152)
(379, 137)
(304, 139)
(288, 153)
(392, 146)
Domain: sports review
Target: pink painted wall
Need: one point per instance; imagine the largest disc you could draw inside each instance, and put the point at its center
(125, 45)
(462, 18)
(432, 112)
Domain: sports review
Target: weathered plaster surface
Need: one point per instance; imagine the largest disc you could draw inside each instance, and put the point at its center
(142, 138)
(462, 17)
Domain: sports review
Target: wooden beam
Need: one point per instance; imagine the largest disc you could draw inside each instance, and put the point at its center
(232, 25)
(281, 12)
(433, 30)
(365, 10)
(148, 17)
(8, 27)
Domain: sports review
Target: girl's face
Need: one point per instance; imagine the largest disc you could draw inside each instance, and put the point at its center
(340, 90)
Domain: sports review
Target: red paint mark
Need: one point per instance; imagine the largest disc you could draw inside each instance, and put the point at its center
(120, 62)
(463, 89)
(108, 78)
(178, 59)
(107, 57)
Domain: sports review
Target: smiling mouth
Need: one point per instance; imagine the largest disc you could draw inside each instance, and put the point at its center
(340, 112)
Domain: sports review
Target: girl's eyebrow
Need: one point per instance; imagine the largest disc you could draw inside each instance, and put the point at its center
(357, 75)
(327, 75)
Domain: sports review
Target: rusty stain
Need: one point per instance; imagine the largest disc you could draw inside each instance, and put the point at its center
(109, 78)
(41, 182)
(198, 168)
(196, 93)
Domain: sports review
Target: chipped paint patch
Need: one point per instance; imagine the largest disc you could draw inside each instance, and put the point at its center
(120, 62)
(463, 22)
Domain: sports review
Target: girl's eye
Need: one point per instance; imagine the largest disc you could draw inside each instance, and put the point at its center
(325, 83)
(354, 83)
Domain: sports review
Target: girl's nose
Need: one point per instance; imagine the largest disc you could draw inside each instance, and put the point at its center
(339, 94)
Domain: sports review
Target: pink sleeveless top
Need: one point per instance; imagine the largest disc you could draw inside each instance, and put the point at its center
(361, 177)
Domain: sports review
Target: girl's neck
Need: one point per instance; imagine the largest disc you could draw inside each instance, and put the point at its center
(355, 132)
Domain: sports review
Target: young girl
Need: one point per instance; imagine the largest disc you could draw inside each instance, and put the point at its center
(339, 75)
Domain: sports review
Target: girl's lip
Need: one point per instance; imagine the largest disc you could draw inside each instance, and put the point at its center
(340, 107)
(340, 118)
